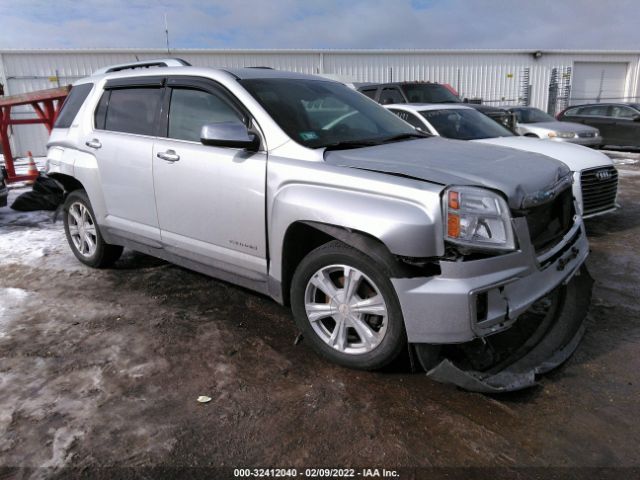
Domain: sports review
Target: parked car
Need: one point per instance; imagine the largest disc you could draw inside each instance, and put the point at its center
(301, 189)
(533, 122)
(4, 191)
(595, 182)
(618, 123)
(429, 92)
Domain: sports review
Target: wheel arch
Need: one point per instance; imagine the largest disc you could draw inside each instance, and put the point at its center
(304, 236)
(68, 182)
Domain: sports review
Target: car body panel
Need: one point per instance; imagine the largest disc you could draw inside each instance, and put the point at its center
(616, 129)
(505, 170)
(578, 158)
(390, 193)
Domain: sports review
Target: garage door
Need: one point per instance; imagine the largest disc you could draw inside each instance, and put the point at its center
(598, 82)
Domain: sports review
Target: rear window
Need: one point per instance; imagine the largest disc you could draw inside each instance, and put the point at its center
(72, 105)
(129, 110)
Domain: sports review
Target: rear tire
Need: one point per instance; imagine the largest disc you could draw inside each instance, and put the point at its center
(356, 320)
(83, 233)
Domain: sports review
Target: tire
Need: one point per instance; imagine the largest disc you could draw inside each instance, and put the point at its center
(83, 233)
(370, 332)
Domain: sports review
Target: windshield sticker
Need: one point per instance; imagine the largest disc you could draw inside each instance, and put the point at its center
(308, 135)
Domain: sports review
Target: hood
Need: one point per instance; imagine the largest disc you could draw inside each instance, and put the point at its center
(561, 126)
(518, 175)
(576, 157)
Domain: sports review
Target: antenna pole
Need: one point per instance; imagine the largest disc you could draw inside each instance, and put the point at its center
(166, 32)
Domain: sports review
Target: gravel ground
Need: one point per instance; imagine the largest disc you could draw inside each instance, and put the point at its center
(103, 368)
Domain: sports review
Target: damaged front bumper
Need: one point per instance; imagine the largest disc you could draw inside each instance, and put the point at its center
(550, 345)
(478, 299)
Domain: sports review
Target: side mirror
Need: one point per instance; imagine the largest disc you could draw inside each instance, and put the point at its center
(229, 134)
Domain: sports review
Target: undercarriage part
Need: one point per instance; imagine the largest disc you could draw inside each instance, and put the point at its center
(543, 338)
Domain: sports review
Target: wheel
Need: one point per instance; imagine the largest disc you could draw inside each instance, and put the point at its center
(83, 233)
(346, 307)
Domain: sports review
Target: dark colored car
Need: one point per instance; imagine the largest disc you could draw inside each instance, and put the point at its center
(429, 92)
(619, 123)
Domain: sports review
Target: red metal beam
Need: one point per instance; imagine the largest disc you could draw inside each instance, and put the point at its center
(39, 96)
(46, 104)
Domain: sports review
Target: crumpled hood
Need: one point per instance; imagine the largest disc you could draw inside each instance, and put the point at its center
(515, 173)
(576, 157)
(562, 126)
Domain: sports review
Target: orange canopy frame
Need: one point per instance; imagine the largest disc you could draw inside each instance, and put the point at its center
(45, 103)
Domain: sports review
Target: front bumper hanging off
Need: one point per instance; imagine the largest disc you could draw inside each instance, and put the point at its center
(551, 344)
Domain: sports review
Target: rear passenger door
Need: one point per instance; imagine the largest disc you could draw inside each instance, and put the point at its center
(210, 200)
(627, 129)
(597, 116)
(125, 121)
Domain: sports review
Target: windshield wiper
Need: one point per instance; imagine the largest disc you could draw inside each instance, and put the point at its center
(347, 144)
(406, 136)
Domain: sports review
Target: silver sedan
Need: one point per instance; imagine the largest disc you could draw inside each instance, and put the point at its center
(533, 122)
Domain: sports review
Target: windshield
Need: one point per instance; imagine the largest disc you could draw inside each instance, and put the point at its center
(429, 93)
(531, 115)
(464, 124)
(317, 113)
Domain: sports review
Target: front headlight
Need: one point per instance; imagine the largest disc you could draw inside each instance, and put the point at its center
(477, 218)
(561, 134)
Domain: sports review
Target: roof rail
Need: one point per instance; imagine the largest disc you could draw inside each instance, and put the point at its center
(160, 62)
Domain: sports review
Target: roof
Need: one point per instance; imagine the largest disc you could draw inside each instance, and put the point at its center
(252, 73)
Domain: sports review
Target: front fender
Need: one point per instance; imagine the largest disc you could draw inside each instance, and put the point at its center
(406, 227)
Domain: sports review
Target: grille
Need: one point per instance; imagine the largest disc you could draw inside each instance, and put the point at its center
(586, 134)
(599, 189)
(549, 222)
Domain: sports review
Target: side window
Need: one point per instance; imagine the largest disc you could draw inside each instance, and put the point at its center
(594, 110)
(190, 110)
(623, 112)
(410, 118)
(369, 92)
(129, 110)
(572, 112)
(391, 95)
(72, 105)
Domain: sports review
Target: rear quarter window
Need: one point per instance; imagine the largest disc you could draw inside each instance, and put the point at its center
(72, 105)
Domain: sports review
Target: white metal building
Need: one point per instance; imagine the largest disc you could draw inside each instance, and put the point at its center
(549, 80)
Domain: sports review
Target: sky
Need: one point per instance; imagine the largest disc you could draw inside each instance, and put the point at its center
(335, 24)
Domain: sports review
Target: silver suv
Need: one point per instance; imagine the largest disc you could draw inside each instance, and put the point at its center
(297, 187)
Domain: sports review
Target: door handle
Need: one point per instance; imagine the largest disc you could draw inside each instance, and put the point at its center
(95, 143)
(169, 156)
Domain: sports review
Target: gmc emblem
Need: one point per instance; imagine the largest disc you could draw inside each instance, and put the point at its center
(603, 175)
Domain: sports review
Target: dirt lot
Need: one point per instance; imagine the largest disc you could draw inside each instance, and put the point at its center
(103, 368)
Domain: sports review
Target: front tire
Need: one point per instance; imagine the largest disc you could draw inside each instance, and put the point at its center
(83, 233)
(346, 307)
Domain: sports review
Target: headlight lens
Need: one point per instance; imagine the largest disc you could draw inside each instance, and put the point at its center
(562, 134)
(477, 218)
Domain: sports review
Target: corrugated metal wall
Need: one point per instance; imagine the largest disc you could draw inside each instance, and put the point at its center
(494, 76)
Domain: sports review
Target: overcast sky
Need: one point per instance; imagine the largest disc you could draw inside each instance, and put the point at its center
(532, 24)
